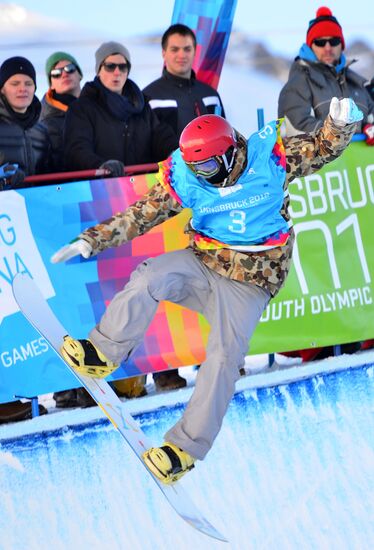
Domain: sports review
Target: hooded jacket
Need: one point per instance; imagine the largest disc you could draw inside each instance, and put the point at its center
(102, 125)
(24, 140)
(178, 100)
(305, 99)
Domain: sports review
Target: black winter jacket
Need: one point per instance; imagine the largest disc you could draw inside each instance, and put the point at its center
(53, 118)
(305, 99)
(93, 133)
(370, 88)
(24, 140)
(177, 100)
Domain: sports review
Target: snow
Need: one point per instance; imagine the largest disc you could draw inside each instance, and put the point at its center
(292, 468)
(259, 375)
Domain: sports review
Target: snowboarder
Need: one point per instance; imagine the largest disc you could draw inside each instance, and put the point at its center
(238, 258)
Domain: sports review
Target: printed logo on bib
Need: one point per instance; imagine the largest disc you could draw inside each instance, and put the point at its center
(224, 191)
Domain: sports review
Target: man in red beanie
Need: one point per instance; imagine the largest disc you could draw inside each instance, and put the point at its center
(321, 72)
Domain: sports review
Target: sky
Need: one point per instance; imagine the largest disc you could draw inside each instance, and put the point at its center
(281, 25)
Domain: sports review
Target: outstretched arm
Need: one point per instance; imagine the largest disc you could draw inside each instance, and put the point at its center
(153, 209)
(307, 153)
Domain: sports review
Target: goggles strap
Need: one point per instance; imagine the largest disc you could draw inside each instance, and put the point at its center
(228, 166)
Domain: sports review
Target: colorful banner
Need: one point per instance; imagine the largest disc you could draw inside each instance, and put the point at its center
(211, 20)
(328, 297)
(34, 223)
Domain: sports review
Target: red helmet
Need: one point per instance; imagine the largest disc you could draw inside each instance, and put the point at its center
(208, 146)
(206, 136)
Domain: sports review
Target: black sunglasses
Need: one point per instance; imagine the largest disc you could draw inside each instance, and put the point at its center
(111, 67)
(69, 69)
(321, 42)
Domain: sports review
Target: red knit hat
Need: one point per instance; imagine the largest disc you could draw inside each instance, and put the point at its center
(325, 24)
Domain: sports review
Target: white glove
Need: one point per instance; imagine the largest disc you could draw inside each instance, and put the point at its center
(73, 249)
(344, 111)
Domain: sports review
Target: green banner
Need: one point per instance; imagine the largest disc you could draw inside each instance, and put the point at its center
(328, 296)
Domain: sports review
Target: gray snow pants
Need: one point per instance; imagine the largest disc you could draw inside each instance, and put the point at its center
(232, 309)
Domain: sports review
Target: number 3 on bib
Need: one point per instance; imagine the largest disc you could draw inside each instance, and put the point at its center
(238, 221)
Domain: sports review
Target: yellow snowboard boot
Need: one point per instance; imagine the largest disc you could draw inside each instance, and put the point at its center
(86, 359)
(168, 463)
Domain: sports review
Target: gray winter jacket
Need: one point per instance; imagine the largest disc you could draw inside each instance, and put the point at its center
(305, 99)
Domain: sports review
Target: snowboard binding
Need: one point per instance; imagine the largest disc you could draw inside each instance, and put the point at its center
(168, 463)
(86, 359)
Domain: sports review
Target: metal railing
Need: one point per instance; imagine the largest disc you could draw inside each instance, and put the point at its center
(88, 174)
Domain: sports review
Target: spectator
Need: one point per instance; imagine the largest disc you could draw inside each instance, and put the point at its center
(24, 141)
(110, 124)
(369, 129)
(24, 147)
(235, 263)
(177, 97)
(370, 88)
(64, 77)
(319, 73)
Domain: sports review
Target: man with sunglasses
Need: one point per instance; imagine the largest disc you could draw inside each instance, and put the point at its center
(64, 77)
(319, 73)
(111, 124)
(239, 255)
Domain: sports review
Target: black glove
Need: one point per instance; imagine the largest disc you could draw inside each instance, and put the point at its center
(115, 167)
(11, 177)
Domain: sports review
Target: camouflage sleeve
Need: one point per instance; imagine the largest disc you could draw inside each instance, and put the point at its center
(154, 208)
(307, 153)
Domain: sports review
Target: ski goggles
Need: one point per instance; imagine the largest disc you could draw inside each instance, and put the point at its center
(321, 42)
(69, 69)
(205, 168)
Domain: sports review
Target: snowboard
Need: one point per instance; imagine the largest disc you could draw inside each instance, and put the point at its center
(38, 312)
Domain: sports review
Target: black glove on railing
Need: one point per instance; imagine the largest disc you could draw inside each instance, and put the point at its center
(11, 177)
(115, 167)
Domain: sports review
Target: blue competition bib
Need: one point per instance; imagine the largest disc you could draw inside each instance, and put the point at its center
(245, 213)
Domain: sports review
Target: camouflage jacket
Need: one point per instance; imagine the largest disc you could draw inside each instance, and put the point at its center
(305, 154)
